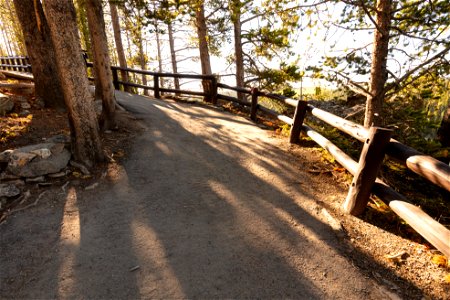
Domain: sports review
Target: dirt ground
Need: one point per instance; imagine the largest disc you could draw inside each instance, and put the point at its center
(199, 203)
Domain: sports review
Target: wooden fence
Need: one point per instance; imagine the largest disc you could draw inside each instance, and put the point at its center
(15, 63)
(377, 143)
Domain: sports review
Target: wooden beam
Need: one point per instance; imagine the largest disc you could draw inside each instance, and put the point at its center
(254, 107)
(299, 117)
(430, 229)
(355, 130)
(370, 161)
(426, 166)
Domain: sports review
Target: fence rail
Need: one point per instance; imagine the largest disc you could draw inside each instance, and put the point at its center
(377, 144)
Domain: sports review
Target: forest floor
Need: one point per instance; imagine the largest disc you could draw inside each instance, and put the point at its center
(195, 202)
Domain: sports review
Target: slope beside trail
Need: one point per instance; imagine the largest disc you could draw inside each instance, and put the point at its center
(206, 206)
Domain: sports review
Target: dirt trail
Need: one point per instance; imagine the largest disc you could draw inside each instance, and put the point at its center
(205, 206)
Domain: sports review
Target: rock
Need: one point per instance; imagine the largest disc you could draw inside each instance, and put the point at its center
(57, 149)
(35, 179)
(19, 159)
(58, 139)
(43, 153)
(24, 113)
(6, 104)
(6, 176)
(4, 156)
(25, 105)
(37, 160)
(80, 167)
(57, 175)
(8, 190)
(39, 103)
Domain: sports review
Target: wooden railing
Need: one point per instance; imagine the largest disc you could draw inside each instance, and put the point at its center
(377, 144)
(15, 63)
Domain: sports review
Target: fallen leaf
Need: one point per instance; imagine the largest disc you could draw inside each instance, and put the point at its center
(439, 260)
(76, 174)
(447, 278)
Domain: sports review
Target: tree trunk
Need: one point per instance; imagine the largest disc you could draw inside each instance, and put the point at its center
(83, 27)
(119, 45)
(239, 55)
(158, 48)
(173, 56)
(378, 71)
(86, 145)
(142, 61)
(444, 129)
(202, 32)
(41, 52)
(102, 63)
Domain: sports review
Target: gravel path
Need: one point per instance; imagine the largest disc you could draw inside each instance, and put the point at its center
(205, 206)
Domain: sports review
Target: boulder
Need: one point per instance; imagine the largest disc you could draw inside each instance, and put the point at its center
(8, 190)
(38, 160)
(6, 104)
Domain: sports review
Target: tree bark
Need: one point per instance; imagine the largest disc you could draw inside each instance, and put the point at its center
(86, 145)
(444, 129)
(158, 48)
(202, 33)
(119, 44)
(102, 64)
(238, 52)
(378, 71)
(173, 56)
(41, 52)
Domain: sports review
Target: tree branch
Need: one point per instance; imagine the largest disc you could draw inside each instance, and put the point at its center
(357, 88)
(413, 70)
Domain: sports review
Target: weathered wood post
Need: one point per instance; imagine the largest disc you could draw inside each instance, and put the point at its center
(2, 61)
(254, 107)
(8, 62)
(370, 161)
(156, 86)
(115, 75)
(213, 90)
(23, 67)
(299, 117)
(16, 64)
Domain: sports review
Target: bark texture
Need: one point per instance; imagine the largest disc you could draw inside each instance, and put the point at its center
(238, 52)
(41, 52)
(119, 45)
(158, 48)
(444, 129)
(173, 55)
(202, 33)
(378, 71)
(86, 145)
(102, 63)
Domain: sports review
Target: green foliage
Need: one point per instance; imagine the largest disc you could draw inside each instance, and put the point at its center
(416, 113)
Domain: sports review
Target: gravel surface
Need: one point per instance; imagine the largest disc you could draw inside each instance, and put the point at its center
(206, 205)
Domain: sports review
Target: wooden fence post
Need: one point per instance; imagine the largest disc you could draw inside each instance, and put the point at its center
(299, 117)
(254, 107)
(15, 63)
(214, 90)
(2, 61)
(156, 86)
(370, 162)
(115, 79)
